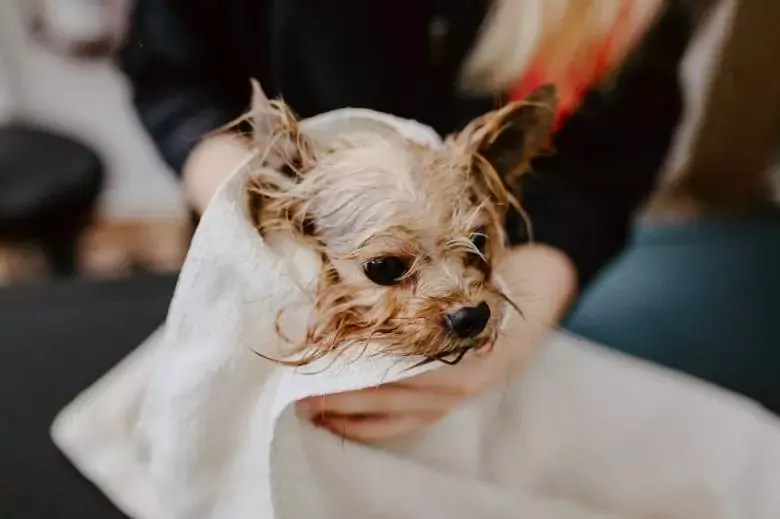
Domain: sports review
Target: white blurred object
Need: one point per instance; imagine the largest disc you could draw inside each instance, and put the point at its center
(80, 27)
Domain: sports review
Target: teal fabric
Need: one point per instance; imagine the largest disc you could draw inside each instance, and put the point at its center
(702, 298)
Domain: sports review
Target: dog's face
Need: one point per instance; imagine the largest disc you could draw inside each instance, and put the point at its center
(409, 234)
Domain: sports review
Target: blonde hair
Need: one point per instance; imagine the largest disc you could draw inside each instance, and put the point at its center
(560, 34)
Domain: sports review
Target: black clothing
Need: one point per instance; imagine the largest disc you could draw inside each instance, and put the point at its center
(189, 62)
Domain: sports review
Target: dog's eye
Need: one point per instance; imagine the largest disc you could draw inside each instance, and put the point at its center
(385, 271)
(479, 239)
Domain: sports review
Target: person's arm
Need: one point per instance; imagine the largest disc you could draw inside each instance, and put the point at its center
(187, 79)
(581, 200)
(183, 86)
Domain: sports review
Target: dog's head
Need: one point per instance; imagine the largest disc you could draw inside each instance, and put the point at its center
(409, 234)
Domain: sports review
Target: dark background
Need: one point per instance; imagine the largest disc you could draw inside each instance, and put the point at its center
(84, 328)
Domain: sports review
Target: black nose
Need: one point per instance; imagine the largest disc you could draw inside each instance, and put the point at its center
(468, 321)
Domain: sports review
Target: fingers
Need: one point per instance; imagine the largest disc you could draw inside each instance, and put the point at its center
(379, 413)
(375, 428)
(381, 400)
(544, 295)
(400, 408)
(475, 373)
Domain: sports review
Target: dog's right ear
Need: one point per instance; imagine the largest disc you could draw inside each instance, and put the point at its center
(509, 138)
(275, 133)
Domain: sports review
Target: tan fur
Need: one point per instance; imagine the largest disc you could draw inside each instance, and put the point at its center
(370, 193)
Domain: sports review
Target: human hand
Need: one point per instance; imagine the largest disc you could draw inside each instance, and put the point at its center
(209, 164)
(542, 281)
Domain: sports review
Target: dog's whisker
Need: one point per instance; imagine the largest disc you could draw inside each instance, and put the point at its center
(511, 303)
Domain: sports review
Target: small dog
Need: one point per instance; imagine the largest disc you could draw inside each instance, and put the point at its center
(408, 234)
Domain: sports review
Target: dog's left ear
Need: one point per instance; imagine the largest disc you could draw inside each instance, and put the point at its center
(285, 156)
(275, 130)
(509, 138)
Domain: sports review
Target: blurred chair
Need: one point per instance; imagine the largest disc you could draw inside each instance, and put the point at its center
(48, 188)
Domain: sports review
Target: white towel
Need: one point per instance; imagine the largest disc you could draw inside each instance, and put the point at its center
(195, 424)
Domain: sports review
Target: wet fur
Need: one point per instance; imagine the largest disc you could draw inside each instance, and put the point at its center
(370, 193)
